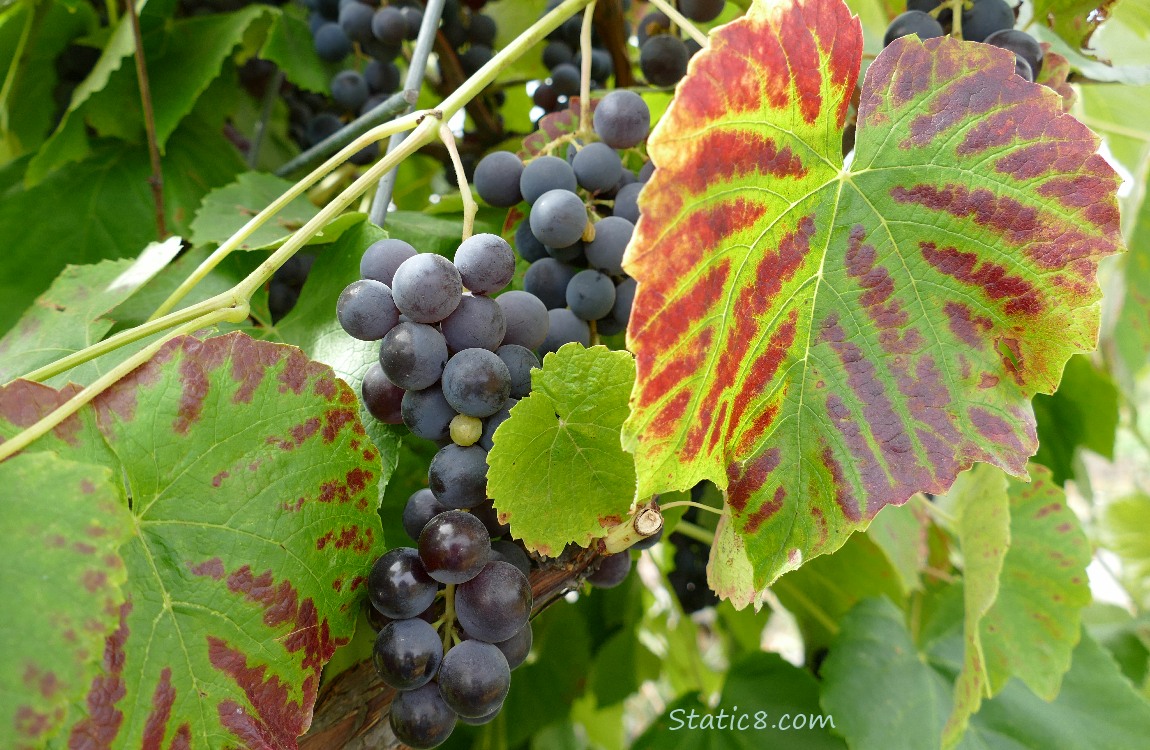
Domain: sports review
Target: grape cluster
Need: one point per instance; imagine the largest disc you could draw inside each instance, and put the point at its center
(564, 61)
(988, 21)
(450, 663)
(576, 252)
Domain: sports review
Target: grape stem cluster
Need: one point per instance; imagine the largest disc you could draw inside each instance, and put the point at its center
(234, 304)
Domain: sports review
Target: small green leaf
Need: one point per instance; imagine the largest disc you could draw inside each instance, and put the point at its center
(1042, 590)
(1083, 412)
(71, 314)
(558, 473)
(1125, 637)
(252, 489)
(906, 702)
(620, 667)
(62, 588)
(979, 497)
(1125, 531)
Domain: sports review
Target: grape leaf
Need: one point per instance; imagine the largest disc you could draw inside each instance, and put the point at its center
(252, 495)
(289, 45)
(902, 533)
(1073, 20)
(1055, 75)
(1042, 590)
(225, 210)
(874, 655)
(71, 314)
(1132, 331)
(979, 498)
(824, 340)
(558, 473)
(1083, 412)
(759, 683)
(552, 126)
(1125, 531)
(62, 591)
(118, 216)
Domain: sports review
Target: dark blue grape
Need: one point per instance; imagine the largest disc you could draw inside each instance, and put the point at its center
(331, 42)
(476, 382)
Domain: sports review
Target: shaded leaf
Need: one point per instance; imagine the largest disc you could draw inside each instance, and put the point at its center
(906, 701)
(1126, 638)
(558, 473)
(289, 45)
(821, 592)
(252, 491)
(902, 532)
(979, 498)
(1082, 413)
(71, 315)
(62, 591)
(759, 683)
(1132, 330)
(1125, 531)
(111, 214)
(823, 340)
(552, 126)
(621, 666)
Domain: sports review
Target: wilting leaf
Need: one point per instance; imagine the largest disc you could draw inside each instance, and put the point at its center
(251, 486)
(824, 340)
(62, 588)
(558, 473)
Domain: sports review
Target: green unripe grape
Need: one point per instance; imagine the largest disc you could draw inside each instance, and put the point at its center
(466, 430)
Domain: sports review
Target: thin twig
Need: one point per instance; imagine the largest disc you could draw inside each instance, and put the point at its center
(681, 21)
(428, 30)
(585, 73)
(691, 504)
(470, 207)
(698, 533)
(610, 20)
(157, 178)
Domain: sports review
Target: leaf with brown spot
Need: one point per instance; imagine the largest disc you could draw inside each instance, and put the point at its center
(824, 339)
(62, 588)
(253, 496)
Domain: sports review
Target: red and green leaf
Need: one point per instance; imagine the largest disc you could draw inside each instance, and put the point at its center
(62, 588)
(824, 340)
(252, 493)
(1056, 75)
(552, 126)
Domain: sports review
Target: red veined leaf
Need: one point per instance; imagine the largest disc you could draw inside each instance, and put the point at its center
(822, 340)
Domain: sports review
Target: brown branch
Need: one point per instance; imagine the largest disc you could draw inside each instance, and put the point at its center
(610, 24)
(453, 77)
(157, 178)
(351, 711)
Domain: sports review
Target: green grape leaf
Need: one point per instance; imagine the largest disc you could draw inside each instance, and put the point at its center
(1042, 590)
(758, 683)
(72, 313)
(906, 703)
(227, 209)
(558, 473)
(823, 339)
(1125, 531)
(25, 126)
(253, 501)
(1083, 412)
(820, 593)
(62, 591)
(1132, 331)
(1126, 638)
(979, 498)
(1073, 20)
(119, 211)
(289, 45)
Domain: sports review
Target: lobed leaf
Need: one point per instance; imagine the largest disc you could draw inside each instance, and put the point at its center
(557, 471)
(251, 486)
(62, 590)
(824, 339)
(71, 314)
